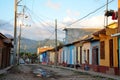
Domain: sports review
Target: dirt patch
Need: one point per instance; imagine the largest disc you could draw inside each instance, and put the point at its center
(15, 70)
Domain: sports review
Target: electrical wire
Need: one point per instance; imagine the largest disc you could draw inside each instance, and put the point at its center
(42, 19)
(90, 13)
(37, 17)
(87, 14)
(47, 29)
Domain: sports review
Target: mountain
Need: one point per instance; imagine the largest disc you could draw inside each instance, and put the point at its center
(48, 42)
(8, 36)
(28, 45)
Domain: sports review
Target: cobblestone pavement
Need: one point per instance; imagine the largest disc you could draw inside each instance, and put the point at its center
(24, 72)
(20, 72)
(63, 74)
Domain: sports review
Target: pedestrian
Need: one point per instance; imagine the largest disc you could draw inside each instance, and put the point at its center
(77, 65)
(86, 65)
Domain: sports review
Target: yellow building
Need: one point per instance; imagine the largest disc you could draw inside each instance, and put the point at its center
(108, 49)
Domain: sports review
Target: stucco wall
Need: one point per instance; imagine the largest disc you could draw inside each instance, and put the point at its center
(96, 44)
(106, 61)
(86, 46)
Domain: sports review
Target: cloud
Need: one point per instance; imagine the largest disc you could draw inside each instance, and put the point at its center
(71, 16)
(52, 5)
(72, 13)
(6, 27)
(96, 22)
(38, 31)
(93, 22)
(68, 20)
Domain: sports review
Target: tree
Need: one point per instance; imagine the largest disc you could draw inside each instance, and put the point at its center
(34, 58)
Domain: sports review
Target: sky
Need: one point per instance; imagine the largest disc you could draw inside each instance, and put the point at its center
(41, 15)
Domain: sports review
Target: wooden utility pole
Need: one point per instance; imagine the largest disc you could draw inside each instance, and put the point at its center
(19, 37)
(107, 16)
(15, 31)
(56, 60)
(19, 42)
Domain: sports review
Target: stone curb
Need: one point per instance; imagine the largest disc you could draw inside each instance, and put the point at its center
(5, 69)
(89, 72)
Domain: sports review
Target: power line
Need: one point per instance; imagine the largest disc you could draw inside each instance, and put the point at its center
(47, 24)
(86, 15)
(43, 22)
(36, 17)
(43, 27)
(90, 13)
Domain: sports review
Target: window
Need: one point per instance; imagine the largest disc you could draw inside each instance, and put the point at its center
(102, 50)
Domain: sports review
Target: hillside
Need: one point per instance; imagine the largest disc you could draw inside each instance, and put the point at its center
(28, 45)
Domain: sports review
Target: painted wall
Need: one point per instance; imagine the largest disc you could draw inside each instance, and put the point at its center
(65, 54)
(115, 51)
(71, 55)
(40, 57)
(44, 57)
(119, 52)
(86, 46)
(68, 54)
(60, 55)
(52, 57)
(106, 61)
(96, 44)
(79, 54)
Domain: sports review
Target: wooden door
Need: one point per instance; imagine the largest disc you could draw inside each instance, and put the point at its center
(111, 52)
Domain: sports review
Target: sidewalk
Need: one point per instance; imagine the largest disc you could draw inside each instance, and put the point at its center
(92, 73)
(2, 71)
(88, 72)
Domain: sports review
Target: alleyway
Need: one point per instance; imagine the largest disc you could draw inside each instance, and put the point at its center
(25, 72)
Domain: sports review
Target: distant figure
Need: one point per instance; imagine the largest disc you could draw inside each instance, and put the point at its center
(77, 65)
(21, 61)
(86, 65)
(64, 63)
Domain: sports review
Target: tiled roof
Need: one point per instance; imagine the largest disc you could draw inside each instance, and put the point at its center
(102, 31)
(41, 50)
(3, 36)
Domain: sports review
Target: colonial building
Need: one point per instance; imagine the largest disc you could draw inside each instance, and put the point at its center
(5, 51)
(108, 49)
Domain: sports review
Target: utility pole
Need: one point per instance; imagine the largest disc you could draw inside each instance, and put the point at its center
(15, 32)
(19, 42)
(19, 37)
(56, 60)
(107, 16)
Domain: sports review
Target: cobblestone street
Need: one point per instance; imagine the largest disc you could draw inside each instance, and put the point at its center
(24, 72)
(19, 73)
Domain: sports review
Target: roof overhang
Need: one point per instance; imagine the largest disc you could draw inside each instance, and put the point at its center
(115, 35)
